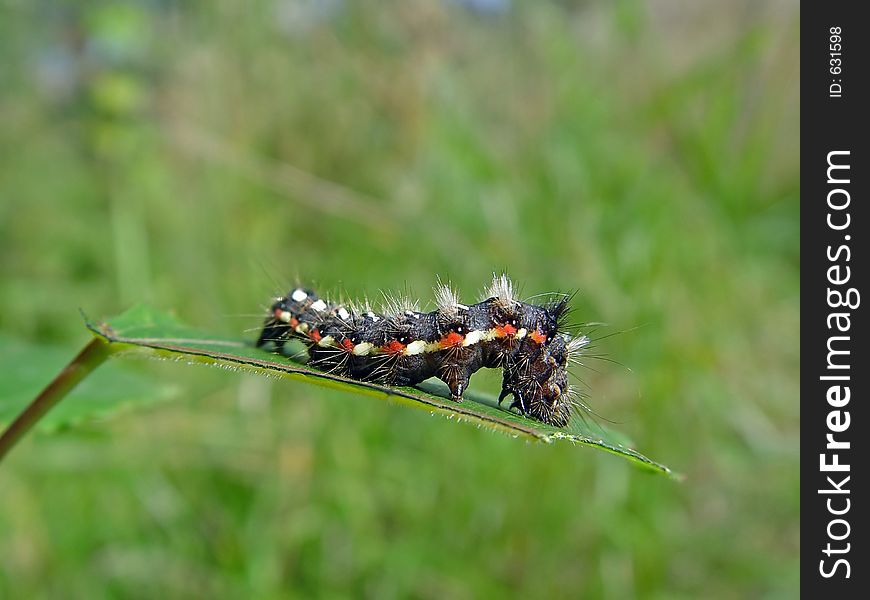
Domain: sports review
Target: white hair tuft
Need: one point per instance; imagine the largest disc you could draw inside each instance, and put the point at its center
(502, 289)
(447, 299)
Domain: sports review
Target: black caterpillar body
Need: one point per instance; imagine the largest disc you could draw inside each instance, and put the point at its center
(404, 346)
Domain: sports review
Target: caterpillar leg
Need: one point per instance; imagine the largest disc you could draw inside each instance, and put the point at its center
(275, 332)
(457, 380)
(518, 402)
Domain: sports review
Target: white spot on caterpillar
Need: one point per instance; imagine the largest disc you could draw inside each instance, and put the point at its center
(522, 332)
(302, 328)
(415, 347)
(326, 342)
(461, 306)
(299, 295)
(285, 316)
(472, 337)
(362, 349)
(343, 314)
(319, 305)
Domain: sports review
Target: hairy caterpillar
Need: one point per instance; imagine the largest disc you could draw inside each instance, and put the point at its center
(403, 346)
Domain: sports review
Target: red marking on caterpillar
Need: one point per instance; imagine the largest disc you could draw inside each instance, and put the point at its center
(451, 340)
(394, 347)
(403, 346)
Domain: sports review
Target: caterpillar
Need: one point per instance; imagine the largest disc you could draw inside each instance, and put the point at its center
(401, 345)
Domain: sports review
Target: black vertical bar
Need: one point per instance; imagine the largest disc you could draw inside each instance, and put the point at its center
(834, 228)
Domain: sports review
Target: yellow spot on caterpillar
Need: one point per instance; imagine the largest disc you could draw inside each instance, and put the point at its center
(489, 335)
(433, 346)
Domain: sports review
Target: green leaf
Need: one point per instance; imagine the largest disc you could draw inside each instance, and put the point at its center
(144, 329)
(29, 367)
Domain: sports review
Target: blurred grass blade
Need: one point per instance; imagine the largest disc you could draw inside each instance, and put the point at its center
(144, 329)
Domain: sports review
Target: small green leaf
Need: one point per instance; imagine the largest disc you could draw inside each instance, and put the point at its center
(143, 329)
(29, 367)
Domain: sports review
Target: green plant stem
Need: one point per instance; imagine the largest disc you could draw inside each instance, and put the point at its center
(91, 357)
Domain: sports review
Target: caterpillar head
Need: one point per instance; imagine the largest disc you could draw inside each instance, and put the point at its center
(543, 323)
(538, 380)
(282, 316)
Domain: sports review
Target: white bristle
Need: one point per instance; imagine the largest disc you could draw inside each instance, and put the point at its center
(576, 345)
(397, 304)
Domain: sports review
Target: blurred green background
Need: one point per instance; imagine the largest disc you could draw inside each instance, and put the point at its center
(202, 156)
